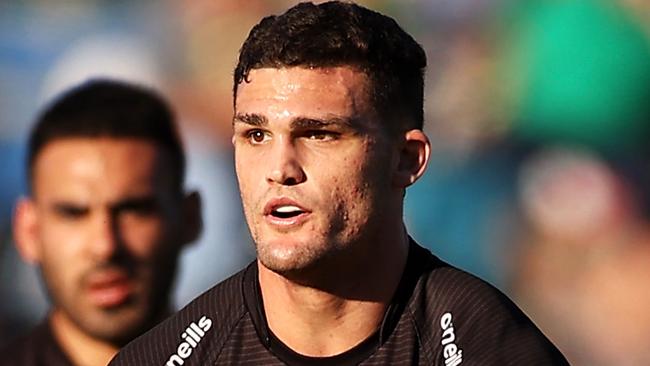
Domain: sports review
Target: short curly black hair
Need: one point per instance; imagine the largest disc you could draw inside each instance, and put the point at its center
(338, 33)
(109, 108)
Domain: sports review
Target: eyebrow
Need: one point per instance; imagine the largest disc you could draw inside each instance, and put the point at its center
(63, 206)
(136, 203)
(307, 123)
(296, 123)
(251, 119)
(128, 202)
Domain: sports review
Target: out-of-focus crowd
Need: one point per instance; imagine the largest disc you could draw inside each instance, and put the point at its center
(538, 112)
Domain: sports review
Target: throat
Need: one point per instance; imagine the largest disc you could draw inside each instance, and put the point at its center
(337, 306)
(315, 323)
(79, 347)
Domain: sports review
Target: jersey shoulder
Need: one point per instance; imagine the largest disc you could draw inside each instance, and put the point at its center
(195, 334)
(460, 315)
(35, 348)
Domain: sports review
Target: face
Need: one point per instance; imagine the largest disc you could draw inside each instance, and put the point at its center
(314, 164)
(105, 229)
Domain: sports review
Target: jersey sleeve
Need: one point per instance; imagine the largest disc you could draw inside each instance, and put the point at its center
(465, 321)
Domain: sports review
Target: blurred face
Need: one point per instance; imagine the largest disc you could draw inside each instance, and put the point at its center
(313, 163)
(104, 227)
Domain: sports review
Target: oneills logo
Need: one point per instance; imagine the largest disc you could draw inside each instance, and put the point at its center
(453, 355)
(191, 338)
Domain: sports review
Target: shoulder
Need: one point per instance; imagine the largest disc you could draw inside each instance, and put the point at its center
(21, 351)
(196, 333)
(34, 348)
(458, 313)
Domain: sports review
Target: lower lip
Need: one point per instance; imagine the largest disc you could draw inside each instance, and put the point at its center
(110, 295)
(287, 223)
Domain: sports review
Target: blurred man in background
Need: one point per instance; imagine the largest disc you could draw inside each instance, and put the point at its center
(105, 221)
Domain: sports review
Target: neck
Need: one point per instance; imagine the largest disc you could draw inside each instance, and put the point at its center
(81, 348)
(327, 320)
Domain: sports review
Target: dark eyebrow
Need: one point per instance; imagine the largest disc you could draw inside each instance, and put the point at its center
(145, 203)
(65, 207)
(296, 123)
(307, 123)
(251, 119)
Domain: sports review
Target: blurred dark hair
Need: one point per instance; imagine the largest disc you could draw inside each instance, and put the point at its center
(109, 108)
(338, 33)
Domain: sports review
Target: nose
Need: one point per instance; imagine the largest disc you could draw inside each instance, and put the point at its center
(104, 244)
(285, 167)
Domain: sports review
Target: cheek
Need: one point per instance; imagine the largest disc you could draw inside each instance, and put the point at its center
(144, 237)
(60, 261)
(62, 264)
(349, 195)
(249, 178)
(61, 242)
(249, 161)
(359, 190)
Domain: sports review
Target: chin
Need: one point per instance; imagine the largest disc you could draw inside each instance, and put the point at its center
(284, 255)
(118, 325)
(297, 262)
(283, 262)
(124, 332)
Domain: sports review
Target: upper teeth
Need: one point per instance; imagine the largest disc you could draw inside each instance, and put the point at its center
(286, 209)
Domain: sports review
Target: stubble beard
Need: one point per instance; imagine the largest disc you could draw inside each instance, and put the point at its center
(317, 251)
(118, 325)
(299, 258)
(309, 260)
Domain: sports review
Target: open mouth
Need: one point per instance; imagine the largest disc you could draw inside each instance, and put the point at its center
(286, 212)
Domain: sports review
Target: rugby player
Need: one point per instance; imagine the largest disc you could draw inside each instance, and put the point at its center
(105, 220)
(327, 132)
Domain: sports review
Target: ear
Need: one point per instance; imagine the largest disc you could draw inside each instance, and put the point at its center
(414, 151)
(25, 230)
(192, 217)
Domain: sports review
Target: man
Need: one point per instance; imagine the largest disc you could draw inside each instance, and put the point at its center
(105, 221)
(327, 136)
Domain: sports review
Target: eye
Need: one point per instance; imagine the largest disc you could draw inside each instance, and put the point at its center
(256, 136)
(70, 211)
(321, 135)
(146, 206)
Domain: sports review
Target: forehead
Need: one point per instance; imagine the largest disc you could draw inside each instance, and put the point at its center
(305, 91)
(95, 166)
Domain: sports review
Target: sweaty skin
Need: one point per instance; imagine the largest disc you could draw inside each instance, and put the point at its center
(310, 126)
(322, 191)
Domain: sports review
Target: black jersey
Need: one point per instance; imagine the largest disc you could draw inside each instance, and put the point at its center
(38, 348)
(439, 315)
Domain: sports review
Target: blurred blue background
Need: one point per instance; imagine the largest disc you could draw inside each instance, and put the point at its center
(538, 112)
